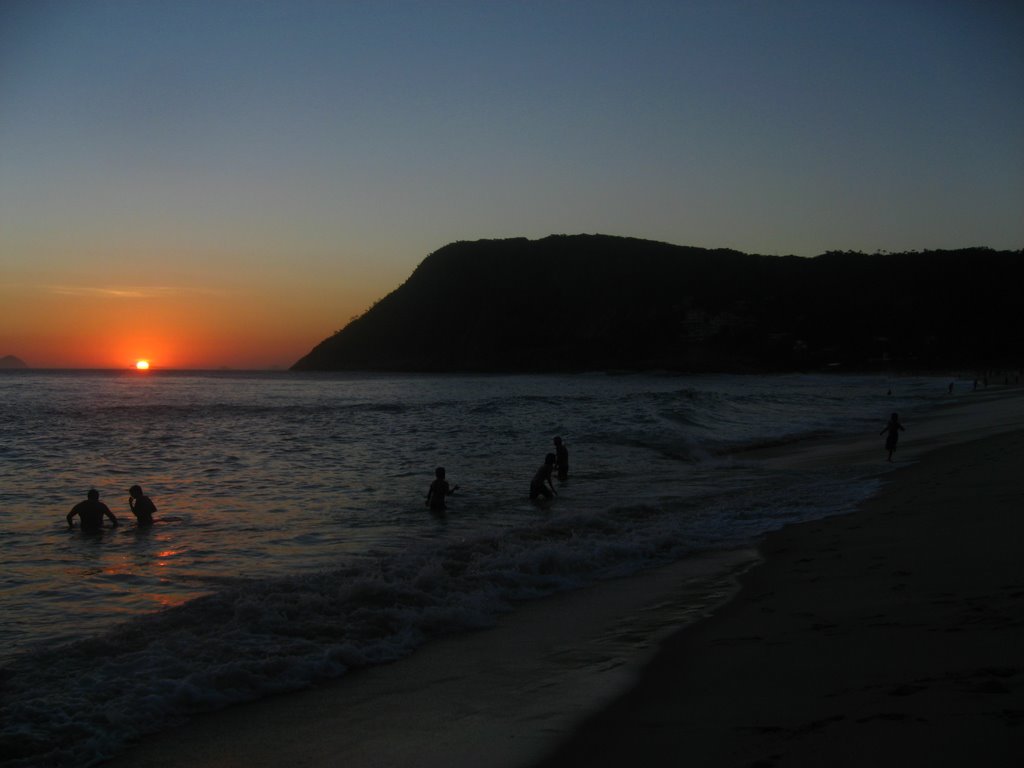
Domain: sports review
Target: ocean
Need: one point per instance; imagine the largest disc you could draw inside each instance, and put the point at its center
(292, 540)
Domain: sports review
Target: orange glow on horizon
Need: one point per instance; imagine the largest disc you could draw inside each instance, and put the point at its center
(214, 326)
(142, 365)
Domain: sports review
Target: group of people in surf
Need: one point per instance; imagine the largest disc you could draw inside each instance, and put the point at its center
(92, 511)
(540, 487)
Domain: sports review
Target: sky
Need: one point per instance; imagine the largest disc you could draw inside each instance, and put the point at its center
(224, 184)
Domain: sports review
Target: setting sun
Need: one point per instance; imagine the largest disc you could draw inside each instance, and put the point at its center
(142, 365)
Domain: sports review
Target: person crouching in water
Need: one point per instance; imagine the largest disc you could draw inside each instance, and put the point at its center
(91, 513)
(141, 506)
(541, 484)
(439, 489)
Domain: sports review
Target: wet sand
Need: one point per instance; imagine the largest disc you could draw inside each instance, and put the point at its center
(890, 636)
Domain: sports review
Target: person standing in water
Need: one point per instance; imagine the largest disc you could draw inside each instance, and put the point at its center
(541, 484)
(439, 489)
(141, 506)
(91, 512)
(893, 428)
(561, 459)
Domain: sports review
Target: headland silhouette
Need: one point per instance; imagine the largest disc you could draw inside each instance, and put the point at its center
(596, 302)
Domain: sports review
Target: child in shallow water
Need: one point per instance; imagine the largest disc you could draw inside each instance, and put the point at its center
(439, 489)
(893, 428)
(141, 506)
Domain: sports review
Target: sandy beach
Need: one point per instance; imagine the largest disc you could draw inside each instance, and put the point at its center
(889, 636)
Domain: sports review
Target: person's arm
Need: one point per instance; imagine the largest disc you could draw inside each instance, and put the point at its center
(108, 513)
(71, 514)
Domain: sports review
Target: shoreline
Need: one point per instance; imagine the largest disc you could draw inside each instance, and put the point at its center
(523, 684)
(886, 637)
(510, 695)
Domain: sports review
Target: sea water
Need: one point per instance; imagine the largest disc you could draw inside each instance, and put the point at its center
(292, 540)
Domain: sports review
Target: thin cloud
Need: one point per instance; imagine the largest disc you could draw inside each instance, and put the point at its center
(129, 292)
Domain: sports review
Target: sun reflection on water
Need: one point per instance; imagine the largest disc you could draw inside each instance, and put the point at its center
(165, 558)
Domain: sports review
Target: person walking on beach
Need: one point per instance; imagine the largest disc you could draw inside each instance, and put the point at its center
(91, 512)
(893, 428)
(141, 506)
(541, 484)
(439, 489)
(561, 459)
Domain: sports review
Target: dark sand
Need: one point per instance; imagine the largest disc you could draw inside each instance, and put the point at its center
(891, 636)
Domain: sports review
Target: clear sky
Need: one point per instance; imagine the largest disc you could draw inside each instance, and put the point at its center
(226, 183)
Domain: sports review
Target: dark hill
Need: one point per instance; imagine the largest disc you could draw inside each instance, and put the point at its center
(10, 361)
(593, 302)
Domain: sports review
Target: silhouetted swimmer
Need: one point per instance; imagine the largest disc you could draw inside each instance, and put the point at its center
(561, 459)
(91, 512)
(439, 489)
(893, 428)
(141, 506)
(541, 484)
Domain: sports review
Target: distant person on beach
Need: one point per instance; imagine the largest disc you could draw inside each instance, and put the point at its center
(439, 489)
(541, 484)
(91, 512)
(893, 428)
(561, 459)
(141, 506)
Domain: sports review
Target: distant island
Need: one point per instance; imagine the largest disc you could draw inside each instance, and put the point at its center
(597, 302)
(10, 361)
